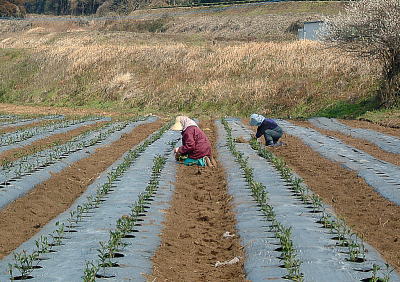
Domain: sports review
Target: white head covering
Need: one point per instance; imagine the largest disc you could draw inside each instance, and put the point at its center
(256, 119)
(182, 122)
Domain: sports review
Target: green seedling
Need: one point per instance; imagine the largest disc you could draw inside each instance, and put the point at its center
(388, 272)
(316, 202)
(43, 245)
(24, 263)
(105, 255)
(6, 164)
(375, 269)
(58, 234)
(89, 274)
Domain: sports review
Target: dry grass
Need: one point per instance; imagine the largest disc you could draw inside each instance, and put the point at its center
(169, 76)
(221, 62)
(266, 21)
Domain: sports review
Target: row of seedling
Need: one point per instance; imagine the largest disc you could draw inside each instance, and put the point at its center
(24, 262)
(24, 134)
(260, 194)
(344, 235)
(28, 164)
(108, 251)
(8, 122)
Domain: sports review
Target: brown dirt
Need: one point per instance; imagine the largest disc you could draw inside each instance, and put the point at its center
(192, 242)
(61, 138)
(363, 145)
(26, 126)
(370, 125)
(367, 212)
(40, 110)
(21, 219)
(241, 140)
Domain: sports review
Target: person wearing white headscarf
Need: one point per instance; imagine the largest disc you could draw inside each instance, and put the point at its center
(267, 127)
(195, 144)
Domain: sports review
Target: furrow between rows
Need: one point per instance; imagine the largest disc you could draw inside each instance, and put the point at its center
(385, 142)
(382, 176)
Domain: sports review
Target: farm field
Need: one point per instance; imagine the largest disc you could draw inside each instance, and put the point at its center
(110, 203)
(90, 189)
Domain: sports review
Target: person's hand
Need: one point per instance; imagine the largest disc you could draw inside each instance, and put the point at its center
(176, 151)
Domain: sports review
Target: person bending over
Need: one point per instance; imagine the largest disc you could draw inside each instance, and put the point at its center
(267, 127)
(196, 148)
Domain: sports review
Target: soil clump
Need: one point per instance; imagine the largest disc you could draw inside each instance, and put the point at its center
(192, 240)
(24, 217)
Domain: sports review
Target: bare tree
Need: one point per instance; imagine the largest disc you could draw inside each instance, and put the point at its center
(371, 28)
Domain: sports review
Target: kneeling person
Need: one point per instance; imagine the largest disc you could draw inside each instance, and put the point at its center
(196, 148)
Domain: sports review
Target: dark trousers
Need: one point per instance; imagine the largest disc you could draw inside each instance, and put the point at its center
(272, 135)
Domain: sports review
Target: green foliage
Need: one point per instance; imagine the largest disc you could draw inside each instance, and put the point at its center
(345, 109)
(17, 68)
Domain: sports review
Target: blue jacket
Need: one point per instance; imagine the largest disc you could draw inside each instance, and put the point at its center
(265, 125)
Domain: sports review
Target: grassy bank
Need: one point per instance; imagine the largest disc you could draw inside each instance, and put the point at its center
(297, 78)
(221, 62)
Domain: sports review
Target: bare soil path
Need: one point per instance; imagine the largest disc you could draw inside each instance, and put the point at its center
(373, 217)
(39, 145)
(192, 241)
(390, 127)
(24, 217)
(363, 145)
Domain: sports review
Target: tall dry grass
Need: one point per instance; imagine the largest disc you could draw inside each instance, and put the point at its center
(168, 76)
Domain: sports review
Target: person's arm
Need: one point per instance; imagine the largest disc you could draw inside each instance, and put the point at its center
(260, 131)
(188, 140)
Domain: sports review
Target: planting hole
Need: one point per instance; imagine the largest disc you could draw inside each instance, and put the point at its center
(43, 258)
(372, 279)
(22, 277)
(104, 276)
(113, 264)
(358, 260)
(363, 270)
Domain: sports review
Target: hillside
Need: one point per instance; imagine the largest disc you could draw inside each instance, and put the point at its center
(218, 61)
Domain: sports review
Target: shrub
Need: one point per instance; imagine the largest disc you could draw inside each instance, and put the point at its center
(370, 28)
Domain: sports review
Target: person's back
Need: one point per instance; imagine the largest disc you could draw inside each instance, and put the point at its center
(196, 148)
(267, 124)
(195, 143)
(267, 127)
